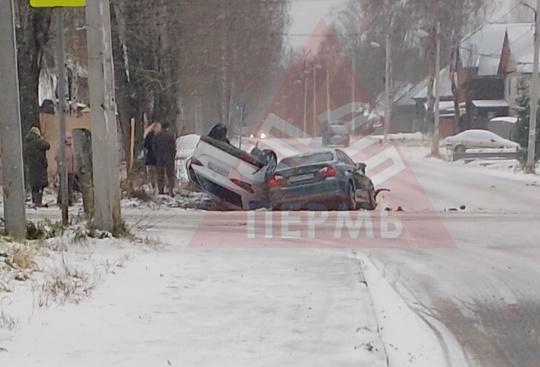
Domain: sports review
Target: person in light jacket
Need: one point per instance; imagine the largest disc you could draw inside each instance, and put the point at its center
(71, 168)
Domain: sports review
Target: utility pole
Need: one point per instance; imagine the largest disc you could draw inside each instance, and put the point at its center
(353, 97)
(435, 152)
(305, 104)
(10, 127)
(531, 152)
(327, 92)
(387, 76)
(61, 110)
(242, 106)
(305, 72)
(103, 116)
(314, 98)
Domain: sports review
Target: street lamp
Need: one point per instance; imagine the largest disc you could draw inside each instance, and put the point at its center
(315, 67)
(284, 111)
(241, 108)
(435, 152)
(327, 92)
(387, 77)
(306, 72)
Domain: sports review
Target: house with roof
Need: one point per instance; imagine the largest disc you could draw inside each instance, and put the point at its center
(494, 68)
(410, 105)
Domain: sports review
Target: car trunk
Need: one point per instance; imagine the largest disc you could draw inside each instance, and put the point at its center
(302, 175)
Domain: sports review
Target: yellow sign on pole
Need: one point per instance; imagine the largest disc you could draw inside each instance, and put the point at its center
(57, 3)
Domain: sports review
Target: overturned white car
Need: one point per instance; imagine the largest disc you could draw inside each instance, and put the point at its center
(235, 178)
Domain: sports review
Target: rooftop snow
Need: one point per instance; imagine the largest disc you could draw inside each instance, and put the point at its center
(510, 119)
(483, 103)
(483, 48)
(445, 89)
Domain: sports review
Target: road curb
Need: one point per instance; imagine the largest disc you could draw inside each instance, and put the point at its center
(363, 281)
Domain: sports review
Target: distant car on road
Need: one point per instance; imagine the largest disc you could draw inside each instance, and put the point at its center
(336, 134)
(327, 177)
(478, 139)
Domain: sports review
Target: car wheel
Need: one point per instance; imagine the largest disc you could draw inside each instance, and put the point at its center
(460, 149)
(351, 198)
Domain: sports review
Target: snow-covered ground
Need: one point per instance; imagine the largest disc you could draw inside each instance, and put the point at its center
(146, 306)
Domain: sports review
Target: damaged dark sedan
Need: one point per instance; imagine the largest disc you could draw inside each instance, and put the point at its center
(326, 178)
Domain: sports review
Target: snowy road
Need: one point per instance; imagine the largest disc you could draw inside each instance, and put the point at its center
(476, 303)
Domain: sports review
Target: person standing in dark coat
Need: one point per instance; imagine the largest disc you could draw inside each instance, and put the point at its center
(164, 146)
(150, 156)
(35, 162)
(71, 168)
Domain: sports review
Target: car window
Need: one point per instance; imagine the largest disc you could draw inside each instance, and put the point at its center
(340, 129)
(344, 157)
(302, 160)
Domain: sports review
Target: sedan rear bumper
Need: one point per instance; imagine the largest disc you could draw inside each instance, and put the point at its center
(324, 192)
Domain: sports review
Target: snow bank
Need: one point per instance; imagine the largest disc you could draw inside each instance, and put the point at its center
(184, 199)
(402, 137)
(487, 150)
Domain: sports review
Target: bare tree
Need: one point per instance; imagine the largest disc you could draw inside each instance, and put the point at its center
(33, 36)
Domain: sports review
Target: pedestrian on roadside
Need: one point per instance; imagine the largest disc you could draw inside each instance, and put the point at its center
(36, 166)
(164, 147)
(150, 157)
(219, 133)
(71, 168)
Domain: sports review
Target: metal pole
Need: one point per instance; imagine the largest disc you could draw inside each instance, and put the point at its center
(61, 71)
(305, 104)
(10, 127)
(241, 125)
(314, 98)
(387, 89)
(353, 79)
(327, 92)
(436, 136)
(531, 152)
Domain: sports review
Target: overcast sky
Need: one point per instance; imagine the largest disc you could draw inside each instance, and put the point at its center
(306, 14)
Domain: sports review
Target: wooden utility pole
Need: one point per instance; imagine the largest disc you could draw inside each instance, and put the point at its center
(61, 111)
(387, 88)
(353, 92)
(436, 136)
(10, 127)
(103, 116)
(531, 152)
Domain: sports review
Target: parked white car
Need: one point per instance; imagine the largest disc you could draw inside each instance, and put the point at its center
(478, 139)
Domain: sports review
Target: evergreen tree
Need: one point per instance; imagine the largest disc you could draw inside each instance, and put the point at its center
(521, 130)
